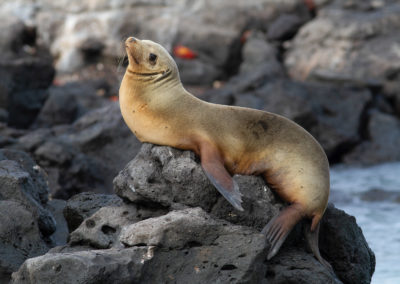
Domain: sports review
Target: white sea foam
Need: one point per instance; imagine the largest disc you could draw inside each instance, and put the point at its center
(380, 221)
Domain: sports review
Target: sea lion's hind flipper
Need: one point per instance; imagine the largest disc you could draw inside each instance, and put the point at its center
(312, 241)
(279, 228)
(215, 171)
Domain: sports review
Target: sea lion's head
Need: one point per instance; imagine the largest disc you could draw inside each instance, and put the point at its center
(149, 60)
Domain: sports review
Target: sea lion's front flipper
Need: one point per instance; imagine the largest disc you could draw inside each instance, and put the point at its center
(280, 226)
(214, 169)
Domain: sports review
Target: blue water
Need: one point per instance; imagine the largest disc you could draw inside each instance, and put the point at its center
(379, 220)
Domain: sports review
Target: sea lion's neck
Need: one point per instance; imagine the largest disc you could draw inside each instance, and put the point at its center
(157, 110)
(150, 86)
(156, 95)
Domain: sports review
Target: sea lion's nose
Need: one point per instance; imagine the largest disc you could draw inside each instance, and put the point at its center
(130, 40)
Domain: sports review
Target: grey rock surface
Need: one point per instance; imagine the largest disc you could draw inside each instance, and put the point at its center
(70, 171)
(99, 266)
(383, 143)
(257, 50)
(10, 34)
(9, 135)
(65, 104)
(198, 72)
(85, 204)
(20, 237)
(230, 253)
(103, 136)
(22, 95)
(338, 114)
(213, 250)
(102, 229)
(25, 71)
(147, 180)
(391, 89)
(84, 156)
(142, 182)
(67, 28)
(284, 27)
(60, 235)
(345, 247)
(25, 221)
(165, 240)
(3, 115)
(41, 190)
(23, 181)
(60, 108)
(293, 266)
(175, 230)
(355, 43)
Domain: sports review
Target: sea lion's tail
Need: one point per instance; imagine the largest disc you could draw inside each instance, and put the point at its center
(311, 232)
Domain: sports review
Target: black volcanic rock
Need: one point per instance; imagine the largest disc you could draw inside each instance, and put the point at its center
(85, 204)
(174, 226)
(26, 224)
(84, 156)
(22, 180)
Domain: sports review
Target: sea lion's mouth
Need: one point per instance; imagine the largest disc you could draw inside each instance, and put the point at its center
(131, 55)
(164, 74)
(145, 73)
(131, 51)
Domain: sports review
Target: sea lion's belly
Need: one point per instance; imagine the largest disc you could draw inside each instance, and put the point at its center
(297, 172)
(298, 178)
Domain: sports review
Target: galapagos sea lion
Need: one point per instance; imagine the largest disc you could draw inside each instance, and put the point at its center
(229, 140)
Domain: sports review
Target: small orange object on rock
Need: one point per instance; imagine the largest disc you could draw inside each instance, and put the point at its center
(184, 52)
(245, 35)
(113, 98)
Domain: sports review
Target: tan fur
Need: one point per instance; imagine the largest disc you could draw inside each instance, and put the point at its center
(161, 111)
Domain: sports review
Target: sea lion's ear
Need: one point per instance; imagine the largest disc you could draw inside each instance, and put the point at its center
(215, 171)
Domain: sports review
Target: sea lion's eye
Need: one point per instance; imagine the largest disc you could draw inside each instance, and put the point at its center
(152, 58)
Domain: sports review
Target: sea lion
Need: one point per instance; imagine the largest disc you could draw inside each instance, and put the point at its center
(229, 140)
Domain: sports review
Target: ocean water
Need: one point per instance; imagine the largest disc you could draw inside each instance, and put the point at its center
(378, 218)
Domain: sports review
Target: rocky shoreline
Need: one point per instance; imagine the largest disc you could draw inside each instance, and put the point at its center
(167, 224)
(331, 66)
